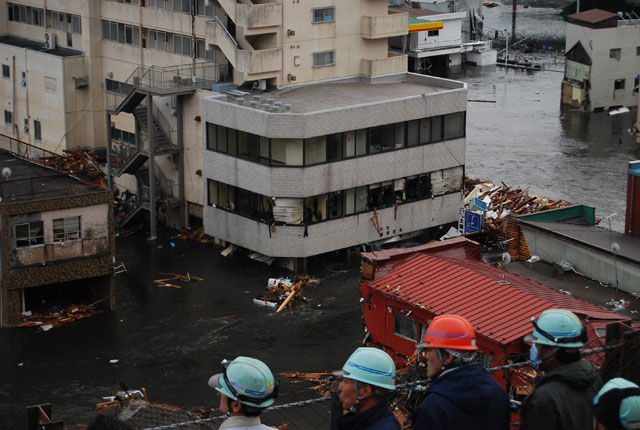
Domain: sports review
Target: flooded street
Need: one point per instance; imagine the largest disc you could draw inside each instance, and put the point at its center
(162, 337)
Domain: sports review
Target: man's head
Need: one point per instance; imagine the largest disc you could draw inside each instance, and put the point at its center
(368, 375)
(558, 336)
(617, 405)
(246, 386)
(449, 341)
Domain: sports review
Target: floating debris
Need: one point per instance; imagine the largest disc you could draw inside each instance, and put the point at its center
(45, 321)
(176, 277)
(284, 292)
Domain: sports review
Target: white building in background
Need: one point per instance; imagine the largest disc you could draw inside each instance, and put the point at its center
(602, 60)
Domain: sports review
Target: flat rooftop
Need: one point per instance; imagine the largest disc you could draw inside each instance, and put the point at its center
(415, 12)
(35, 45)
(30, 181)
(349, 92)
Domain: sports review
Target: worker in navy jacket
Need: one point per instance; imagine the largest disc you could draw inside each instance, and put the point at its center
(462, 394)
(368, 377)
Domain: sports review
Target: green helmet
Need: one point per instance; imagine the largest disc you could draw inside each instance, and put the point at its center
(617, 405)
(558, 327)
(372, 366)
(247, 380)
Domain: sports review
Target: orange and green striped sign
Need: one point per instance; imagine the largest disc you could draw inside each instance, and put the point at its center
(416, 25)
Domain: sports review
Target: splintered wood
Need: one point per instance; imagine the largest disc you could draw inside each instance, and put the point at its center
(288, 291)
(198, 235)
(82, 164)
(48, 320)
(176, 277)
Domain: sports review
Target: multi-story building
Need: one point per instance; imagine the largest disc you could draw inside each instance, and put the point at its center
(602, 60)
(154, 79)
(57, 238)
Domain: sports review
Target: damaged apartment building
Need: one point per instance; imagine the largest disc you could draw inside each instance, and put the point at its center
(286, 128)
(57, 244)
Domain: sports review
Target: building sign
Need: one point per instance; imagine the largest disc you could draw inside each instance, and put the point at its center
(469, 222)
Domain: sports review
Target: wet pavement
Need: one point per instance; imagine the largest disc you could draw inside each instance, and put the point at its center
(162, 337)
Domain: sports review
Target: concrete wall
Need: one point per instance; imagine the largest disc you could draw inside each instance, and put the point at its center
(94, 224)
(605, 70)
(593, 264)
(290, 241)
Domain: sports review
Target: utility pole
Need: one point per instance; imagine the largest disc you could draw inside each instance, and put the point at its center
(513, 21)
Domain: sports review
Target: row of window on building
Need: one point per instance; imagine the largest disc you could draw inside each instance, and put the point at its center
(37, 125)
(183, 6)
(55, 20)
(32, 233)
(616, 53)
(156, 40)
(334, 205)
(337, 146)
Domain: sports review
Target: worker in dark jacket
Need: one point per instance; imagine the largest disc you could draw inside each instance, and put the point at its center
(617, 405)
(462, 394)
(368, 377)
(562, 397)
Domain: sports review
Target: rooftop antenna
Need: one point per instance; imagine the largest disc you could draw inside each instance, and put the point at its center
(6, 172)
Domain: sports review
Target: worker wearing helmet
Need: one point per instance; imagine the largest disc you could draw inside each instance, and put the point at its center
(617, 405)
(562, 397)
(246, 387)
(462, 394)
(368, 377)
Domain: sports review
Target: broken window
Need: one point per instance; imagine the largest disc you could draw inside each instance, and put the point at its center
(288, 211)
(615, 53)
(405, 327)
(398, 189)
(411, 188)
(454, 125)
(618, 84)
(65, 229)
(335, 205)
(447, 181)
(362, 199)
(424, 186)
(29, 234)
(375, 196)
(315, 208)
(388, 196)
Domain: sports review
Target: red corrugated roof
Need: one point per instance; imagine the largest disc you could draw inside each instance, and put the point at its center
(499, 304)
(592, 16)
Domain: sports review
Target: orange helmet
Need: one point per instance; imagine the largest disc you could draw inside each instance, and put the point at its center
(449, 332)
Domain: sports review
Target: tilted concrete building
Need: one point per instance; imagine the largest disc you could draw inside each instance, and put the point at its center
(602, 60)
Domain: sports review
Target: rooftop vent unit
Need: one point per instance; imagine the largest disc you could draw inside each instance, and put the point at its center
(287, 107)
(257, 97)
(240, 101)
(266, 106)
(253, 103)
(270, 100)
(275, 108)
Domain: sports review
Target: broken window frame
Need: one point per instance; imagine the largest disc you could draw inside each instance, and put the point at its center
(405, 327)
(71, 229)
(34, 235)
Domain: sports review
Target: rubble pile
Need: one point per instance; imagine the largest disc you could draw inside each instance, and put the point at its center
(503, 200)
(80, 163)
(197, 235)
(285, 292)
(47, 320)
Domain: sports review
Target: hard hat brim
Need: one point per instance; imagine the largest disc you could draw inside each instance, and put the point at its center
(340, 373)
(214, 381)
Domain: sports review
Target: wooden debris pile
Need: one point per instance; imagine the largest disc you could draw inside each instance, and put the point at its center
(47, 320)
(80, 163)
(503, 200)
(285, 292)
(176, 277)
(197, 235)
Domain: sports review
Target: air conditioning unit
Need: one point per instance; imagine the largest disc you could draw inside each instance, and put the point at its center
(49, 40)
(260, 84)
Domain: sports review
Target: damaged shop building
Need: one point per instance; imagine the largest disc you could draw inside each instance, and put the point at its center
(320, 167)
(57, 243)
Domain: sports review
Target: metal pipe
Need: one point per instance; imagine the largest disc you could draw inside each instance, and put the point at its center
(152, 178)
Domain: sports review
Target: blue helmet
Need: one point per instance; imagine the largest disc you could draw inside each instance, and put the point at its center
(247, 380)
(617, 405)
(558, 327)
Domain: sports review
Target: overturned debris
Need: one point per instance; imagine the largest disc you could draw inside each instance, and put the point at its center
(45, 321)
(198, 235)
(80, 163)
